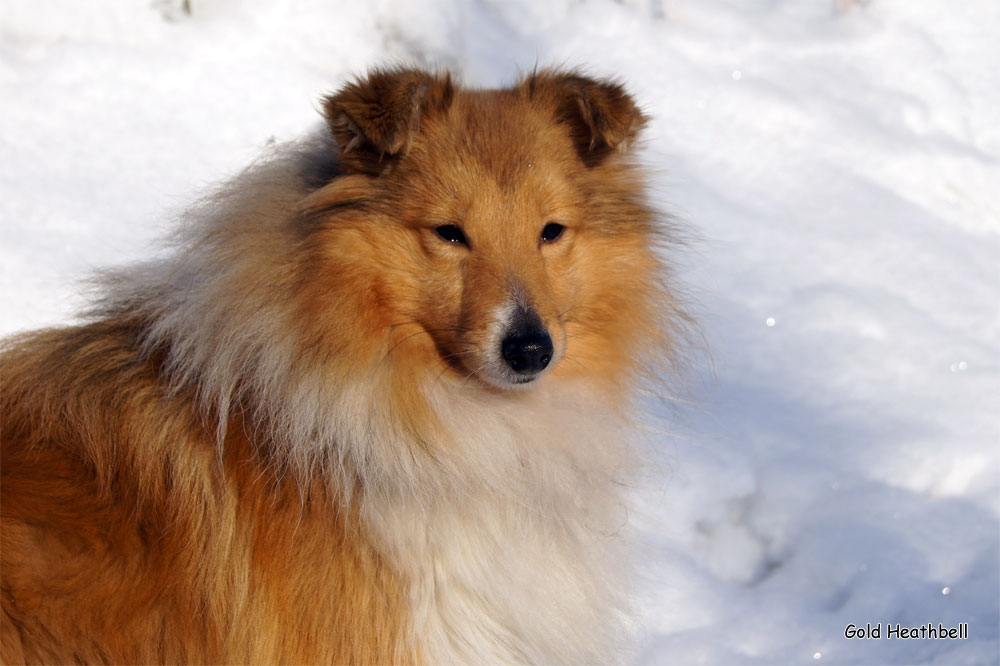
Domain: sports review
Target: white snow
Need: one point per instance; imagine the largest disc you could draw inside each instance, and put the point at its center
(837, 459)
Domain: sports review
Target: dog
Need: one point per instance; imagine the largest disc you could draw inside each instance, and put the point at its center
(374, 408)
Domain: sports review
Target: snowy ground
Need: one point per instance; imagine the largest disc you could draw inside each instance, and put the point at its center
(839, 461)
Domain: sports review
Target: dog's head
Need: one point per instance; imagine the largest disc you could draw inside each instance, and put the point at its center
(501, 235)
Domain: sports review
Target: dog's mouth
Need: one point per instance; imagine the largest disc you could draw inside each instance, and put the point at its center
(505, 380)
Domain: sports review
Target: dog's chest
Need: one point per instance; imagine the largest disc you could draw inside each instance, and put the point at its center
(522, 563)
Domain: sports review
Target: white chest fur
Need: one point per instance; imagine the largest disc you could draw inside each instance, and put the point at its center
(514, 552)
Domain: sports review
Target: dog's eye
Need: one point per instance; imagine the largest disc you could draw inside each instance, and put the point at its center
(552, 231)
(451, 233)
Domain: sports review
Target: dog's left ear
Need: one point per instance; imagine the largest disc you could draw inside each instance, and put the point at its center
(602, 117)
(377, 117)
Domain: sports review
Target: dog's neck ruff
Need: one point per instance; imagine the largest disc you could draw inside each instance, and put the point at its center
(513, 551)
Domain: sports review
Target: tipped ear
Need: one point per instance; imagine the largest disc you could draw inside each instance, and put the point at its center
(601, 116)
(379, 116)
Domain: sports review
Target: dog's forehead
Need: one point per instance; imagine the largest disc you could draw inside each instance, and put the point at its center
(491, 158)
(498, 134)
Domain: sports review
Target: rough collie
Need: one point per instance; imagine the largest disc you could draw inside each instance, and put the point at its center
(373, 409)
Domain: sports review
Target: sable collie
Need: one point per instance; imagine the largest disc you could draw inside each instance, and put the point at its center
(374, 408)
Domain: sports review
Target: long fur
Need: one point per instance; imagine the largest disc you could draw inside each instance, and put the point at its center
(280, 444)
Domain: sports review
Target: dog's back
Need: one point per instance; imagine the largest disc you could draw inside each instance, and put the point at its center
(127, 539)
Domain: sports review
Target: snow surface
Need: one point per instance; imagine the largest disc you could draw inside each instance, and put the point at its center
(837, 459)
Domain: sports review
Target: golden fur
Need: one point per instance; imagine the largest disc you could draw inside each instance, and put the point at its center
(291, 442)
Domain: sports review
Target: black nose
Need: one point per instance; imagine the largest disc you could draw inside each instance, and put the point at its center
(527, 350)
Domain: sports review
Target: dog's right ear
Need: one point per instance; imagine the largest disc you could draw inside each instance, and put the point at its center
(376, 118)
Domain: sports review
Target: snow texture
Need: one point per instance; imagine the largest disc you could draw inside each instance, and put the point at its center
(836, 459)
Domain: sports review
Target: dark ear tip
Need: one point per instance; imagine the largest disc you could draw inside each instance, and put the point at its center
(603, 118)
(343, 130)
(378, 115)
(330, 107)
